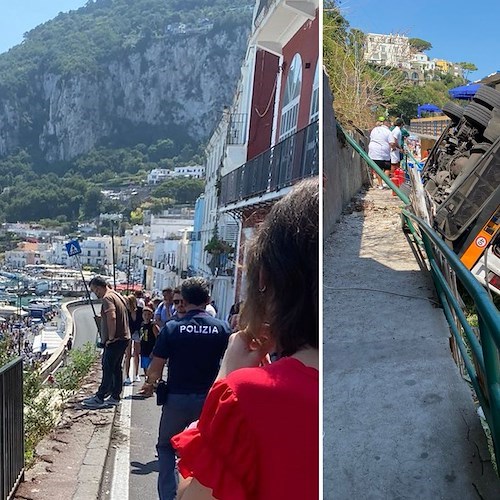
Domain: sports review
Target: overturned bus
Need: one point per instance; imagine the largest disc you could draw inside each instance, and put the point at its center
(461, 179)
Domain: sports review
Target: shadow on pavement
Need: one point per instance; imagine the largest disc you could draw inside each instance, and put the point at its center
(141, 469)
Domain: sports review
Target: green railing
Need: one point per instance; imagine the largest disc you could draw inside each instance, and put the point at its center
(402, 196)
(481, 355)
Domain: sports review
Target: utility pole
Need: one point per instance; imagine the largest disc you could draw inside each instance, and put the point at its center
(128, 268)
(113, 251)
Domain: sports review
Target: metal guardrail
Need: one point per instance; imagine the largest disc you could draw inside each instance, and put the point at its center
(480, 355)
(11, 427)
(289, 161)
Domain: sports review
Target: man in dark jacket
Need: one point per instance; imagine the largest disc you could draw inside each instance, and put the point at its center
(193, 346)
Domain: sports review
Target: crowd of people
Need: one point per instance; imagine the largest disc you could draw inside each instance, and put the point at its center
(17, 334)
(234, 396)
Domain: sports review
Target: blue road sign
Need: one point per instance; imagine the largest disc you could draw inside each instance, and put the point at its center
(73, 248)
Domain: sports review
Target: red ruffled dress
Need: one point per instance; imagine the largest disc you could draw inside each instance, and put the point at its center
(258, 435)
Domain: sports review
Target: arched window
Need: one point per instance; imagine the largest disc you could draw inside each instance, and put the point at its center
(314, 114)
(291, 99)
(414, 75)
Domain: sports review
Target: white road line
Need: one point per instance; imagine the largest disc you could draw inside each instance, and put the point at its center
(121, 466)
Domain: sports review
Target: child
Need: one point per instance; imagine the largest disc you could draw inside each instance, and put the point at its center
(149, 332)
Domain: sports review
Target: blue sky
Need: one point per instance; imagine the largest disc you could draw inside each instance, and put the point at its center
(458, 30)
(19, 16)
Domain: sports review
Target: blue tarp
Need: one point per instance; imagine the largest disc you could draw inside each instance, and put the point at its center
(464, 91)
(429, 108)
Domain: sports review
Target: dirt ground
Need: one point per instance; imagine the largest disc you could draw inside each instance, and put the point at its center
(61, 454)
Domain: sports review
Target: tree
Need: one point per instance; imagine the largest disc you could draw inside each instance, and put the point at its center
(181, 189)
(467, 67)
(91, 206)
(419, 45)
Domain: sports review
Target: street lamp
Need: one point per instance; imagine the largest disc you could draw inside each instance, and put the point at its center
(112, 218)
(19, 283)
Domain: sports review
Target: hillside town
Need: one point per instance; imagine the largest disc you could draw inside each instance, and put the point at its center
(396, 51)
(264, 142)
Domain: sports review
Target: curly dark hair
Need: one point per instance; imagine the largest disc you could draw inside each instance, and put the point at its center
(195, 291)
(283, 272)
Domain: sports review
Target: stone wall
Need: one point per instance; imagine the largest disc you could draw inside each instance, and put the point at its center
(344, 171)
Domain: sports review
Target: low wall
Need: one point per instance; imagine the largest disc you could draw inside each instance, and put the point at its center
(58, 355)
(344, 170)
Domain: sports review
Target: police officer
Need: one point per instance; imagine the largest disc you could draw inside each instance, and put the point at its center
(193, 346)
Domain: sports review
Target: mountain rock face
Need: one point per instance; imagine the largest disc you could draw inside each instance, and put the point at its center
(176, 86)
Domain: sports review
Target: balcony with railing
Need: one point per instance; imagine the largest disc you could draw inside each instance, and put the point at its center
(281, 166)
(237, 128)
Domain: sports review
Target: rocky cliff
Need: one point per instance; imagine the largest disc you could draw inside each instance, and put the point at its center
(173, 87)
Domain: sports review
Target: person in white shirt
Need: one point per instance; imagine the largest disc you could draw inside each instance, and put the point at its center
(380, 146)
(396, 152)
(210, 309)
(139, 295)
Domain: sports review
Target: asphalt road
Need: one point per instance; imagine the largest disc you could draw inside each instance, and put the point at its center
(85, 327)
(142, 472)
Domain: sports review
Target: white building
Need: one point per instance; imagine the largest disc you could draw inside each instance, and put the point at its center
(163, 227)
(422, 61)
(161, 259)
(388, 50)
(158, 175)
(194, 171)
(131, 254)
(97, 251)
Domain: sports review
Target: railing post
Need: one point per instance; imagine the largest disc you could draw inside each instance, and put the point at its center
(492, 369)
(11, 427)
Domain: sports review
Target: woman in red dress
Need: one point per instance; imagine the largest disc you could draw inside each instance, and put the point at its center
(258, 434)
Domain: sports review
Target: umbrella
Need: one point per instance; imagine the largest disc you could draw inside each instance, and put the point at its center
(429, 108)
(464, 91)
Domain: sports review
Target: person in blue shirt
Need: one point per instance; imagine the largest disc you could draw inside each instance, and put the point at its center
(193, 346)
(164, 312)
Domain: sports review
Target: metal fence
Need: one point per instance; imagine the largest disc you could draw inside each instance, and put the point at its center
(289, 161)
(479, 347)
(11, 427)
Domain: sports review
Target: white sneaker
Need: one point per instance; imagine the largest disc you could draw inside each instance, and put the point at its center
(127, 381)
(137, 379)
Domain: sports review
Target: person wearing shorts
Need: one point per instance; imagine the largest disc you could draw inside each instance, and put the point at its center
(380, 146)
(148, 334)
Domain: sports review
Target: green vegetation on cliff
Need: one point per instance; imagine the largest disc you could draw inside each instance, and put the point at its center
(79, 42)
(87, 43)
(71, 191)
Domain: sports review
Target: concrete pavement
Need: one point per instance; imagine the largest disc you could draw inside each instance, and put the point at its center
(399, 421)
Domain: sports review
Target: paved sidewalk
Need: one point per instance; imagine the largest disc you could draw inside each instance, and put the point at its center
(399, 421)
